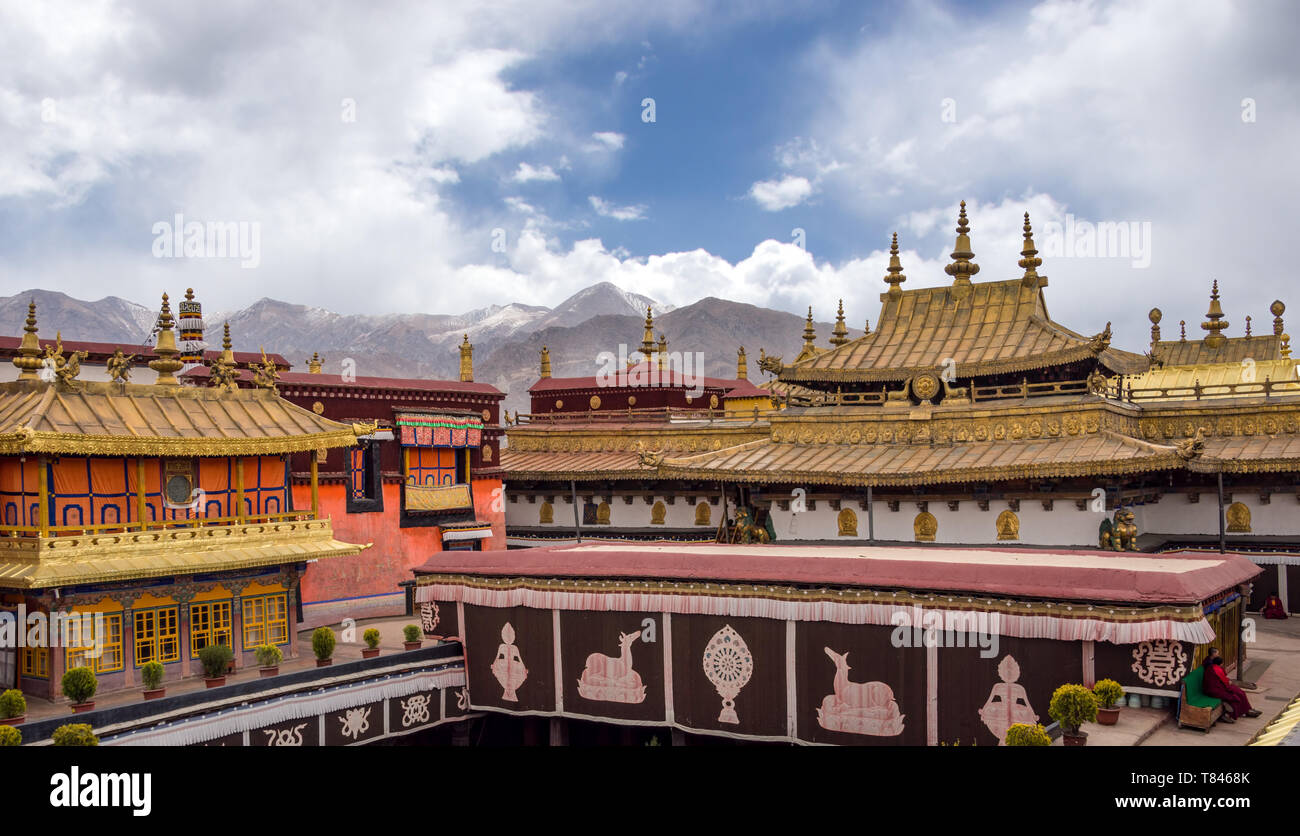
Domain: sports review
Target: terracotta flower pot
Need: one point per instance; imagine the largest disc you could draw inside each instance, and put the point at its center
(1074, 739)
(369, 652)
(1107, 716)
(214, 682)
(81, 707)
(13, 721)
(154, 693)
(320, 663)
(269, 670)
(413, 645)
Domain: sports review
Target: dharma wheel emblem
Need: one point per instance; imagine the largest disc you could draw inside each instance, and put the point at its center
(925, 386)
(728, 664)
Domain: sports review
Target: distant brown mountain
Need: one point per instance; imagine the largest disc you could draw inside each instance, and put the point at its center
(507, 339)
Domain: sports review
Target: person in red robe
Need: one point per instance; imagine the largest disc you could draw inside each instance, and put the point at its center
(1217, 684)
(1273, 608)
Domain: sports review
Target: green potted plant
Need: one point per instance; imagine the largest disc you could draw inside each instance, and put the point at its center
(413, 635)
(371, 638)
(1024, 734)
(79, 685)
(322, 644)
(10, 736)
(1071, 707)
(152, 675)
(216, 659)
(269, 658)
(1108, 693)
(13, 707)
(74, 734)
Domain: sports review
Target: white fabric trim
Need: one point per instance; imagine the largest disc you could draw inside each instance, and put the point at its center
(454, 534)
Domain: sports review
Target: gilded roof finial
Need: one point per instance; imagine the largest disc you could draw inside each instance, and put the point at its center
(648, 339)
(166, 365)
(866, 327)
(1182, 330)
(315, 364)
(1155, 316)
(1277, 309)
(222, 371)
(840, 334)
(1029, 259)
(1248, 326)
(546, 362)
(265, 374)
(962, 268)
(1212, 326)
(466, 361)
(809, 334)
(663, 353)
(742, 365)
(894, 275)
(28, 359)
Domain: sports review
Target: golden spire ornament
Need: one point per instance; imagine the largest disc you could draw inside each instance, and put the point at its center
(1277, 309)
(466, 361)
(663, 353)
(1155, 316)
(546, 362)
(648, 338)
(894, 275)
(809, 333)
(315, 364)
(222, 371)
(742, 365)
(166, 364)
(866, 327)
(1213, 326)
(1029, 260)
(28, 359)
(962, 268)
(840, 335)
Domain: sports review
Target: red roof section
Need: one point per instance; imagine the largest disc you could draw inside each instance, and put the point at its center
(99, 351)
(1079, 575)
(746, 389)
(323, 379)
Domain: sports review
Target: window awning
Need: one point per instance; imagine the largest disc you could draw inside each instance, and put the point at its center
(466, 531)
(434, 430)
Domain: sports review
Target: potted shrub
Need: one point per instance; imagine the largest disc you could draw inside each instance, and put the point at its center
(322, 644)
(74, 734)
(79, 685)
(371, 638)
(1071, 707)
(413, 635)
(13, 707)
(1108, 693)
(10, 736)
(269, 658)
(215, 658)
(152, 675)
(1024, 734)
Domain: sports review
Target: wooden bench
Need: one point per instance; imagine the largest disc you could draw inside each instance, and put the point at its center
(1196, 708)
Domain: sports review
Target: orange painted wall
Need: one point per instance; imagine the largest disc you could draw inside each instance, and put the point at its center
(396, 550)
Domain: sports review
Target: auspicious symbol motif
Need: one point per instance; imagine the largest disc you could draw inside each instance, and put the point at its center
(602, 514)
(1008, 703)
(594, 402)
(1008, 525)
(728, 664)
(702, 514)
(610, 679)
(508, 667)
(318, 407)
(925, 527)
(265, 374)
(858, 707)
(223, 375)
(925, 386)
(546, 514)
(1238, 516)
(487, 452)
(355, 722)
(1119, 534)
(119, 366)
(1160, 662)
(1191, 448)
(646, 458)
(657, 513)
(848, 523)
(429, 617)
(462, 699)
(71, 367)
(1097, 383)
(415, 710)
(285, 737)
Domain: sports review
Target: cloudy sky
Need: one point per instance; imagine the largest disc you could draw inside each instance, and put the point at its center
(389, 157)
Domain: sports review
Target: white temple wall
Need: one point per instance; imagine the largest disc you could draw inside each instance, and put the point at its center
(1064, 525)
(1175, 515)
(680, 514)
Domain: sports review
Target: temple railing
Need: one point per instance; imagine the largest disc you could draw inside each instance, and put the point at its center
(657, 415)
(153, 525)
(1197, 391)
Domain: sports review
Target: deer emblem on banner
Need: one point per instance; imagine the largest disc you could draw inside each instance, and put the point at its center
(612, 679)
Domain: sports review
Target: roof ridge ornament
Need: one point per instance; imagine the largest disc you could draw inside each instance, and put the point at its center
(742, 365)
(809, 333)
(265, 374)
(166, 365)
(1029, 259)
(1155, 315)
(648, 338)
(1277, 309)
(894, 275)
(840, 335)
(28, 360)
(962, 268)
(222, 371)
(315, 363)
(545, 362)
(466, 361)
(1213, 326)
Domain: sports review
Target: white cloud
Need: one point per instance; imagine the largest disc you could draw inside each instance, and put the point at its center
(619, 213)
(610, 140)
(527, 174)
(775, 195)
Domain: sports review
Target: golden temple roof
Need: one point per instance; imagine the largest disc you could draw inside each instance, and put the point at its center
(1231, 350)
(1215, 380)
(985, 328)
(108, 418)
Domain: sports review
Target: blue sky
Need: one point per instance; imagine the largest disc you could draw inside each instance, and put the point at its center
(382, 153)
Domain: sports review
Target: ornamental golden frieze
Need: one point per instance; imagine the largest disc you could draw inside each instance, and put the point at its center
(586, 442)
